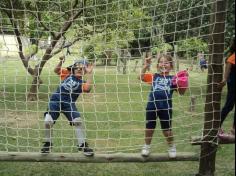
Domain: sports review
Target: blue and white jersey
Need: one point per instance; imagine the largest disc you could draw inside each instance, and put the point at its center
(69, 90)
(161, 94)
(203, 62)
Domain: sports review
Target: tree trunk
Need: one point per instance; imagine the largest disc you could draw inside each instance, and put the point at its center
(122, 58)
(213, 99)
(33, 93)
(207, 160)
(108, 58)
(193, 100)
(119, 64)
(124, 65)
(135, 66)
(56, 37)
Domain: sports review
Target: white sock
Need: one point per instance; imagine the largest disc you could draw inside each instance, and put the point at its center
(147, 146)
(80, 135)
(48, 135)
(172, 146)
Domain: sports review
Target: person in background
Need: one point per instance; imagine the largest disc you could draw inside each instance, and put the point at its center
(229, 79)
(202, 61)
(67, 45)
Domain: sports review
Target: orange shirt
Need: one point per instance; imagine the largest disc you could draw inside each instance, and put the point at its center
(231, 59)
(148, 78)
(64, 73)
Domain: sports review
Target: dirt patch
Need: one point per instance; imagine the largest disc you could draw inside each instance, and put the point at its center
(2, 94)
(19, 119)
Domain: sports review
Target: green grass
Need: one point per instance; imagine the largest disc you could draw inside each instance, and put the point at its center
(114, 115)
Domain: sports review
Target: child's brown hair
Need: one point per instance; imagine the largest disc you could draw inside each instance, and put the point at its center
(168, 57)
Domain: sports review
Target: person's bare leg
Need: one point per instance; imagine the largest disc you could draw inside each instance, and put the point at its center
(169, 137)
(170, 140)
(148, 136)
(148, 140)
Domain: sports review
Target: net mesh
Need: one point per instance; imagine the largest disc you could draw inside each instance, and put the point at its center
(116, 36)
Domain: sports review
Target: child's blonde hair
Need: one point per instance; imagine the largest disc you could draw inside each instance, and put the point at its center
(168, 57)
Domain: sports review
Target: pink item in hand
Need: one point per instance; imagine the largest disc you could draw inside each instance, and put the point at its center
(181, 79)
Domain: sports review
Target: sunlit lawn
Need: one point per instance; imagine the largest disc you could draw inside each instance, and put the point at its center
(114, 115)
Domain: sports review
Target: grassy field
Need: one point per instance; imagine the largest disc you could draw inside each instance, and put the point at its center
(114, 115)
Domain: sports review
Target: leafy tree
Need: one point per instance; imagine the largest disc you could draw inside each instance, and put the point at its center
(52, 19)
(192, 46)
(230, 23)
(108, 25)
(161, 47)
(121, 31)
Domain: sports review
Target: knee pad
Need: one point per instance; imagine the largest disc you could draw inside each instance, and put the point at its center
(48, 120)
(77, 122)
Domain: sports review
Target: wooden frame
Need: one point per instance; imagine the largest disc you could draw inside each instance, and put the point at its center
(98, 158)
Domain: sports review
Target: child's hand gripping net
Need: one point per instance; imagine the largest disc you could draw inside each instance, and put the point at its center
(181, 81)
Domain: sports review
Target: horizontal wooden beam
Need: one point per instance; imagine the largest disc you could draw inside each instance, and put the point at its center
(197, 140)
(98, 158)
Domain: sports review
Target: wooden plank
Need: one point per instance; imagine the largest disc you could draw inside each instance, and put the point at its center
(197, 140)
(98, 158)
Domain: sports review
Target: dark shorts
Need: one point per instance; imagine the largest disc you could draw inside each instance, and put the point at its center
(68, 109)
(165, 117)
(204, 67)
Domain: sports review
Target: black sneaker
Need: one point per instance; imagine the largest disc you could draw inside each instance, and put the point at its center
(46, 147)
(85, 148)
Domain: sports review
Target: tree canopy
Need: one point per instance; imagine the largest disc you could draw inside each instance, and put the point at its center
(108, 25)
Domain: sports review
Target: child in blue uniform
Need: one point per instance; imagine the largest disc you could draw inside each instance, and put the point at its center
(160, 102)
(63, 100)
(202, 61)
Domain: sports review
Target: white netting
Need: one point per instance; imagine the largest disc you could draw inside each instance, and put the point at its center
(115, 36)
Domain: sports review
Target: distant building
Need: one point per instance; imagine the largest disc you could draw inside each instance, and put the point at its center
(9, 44)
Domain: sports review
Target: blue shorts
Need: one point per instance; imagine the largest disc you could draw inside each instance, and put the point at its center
(165, 117)
(68, 109)
(203, 66)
